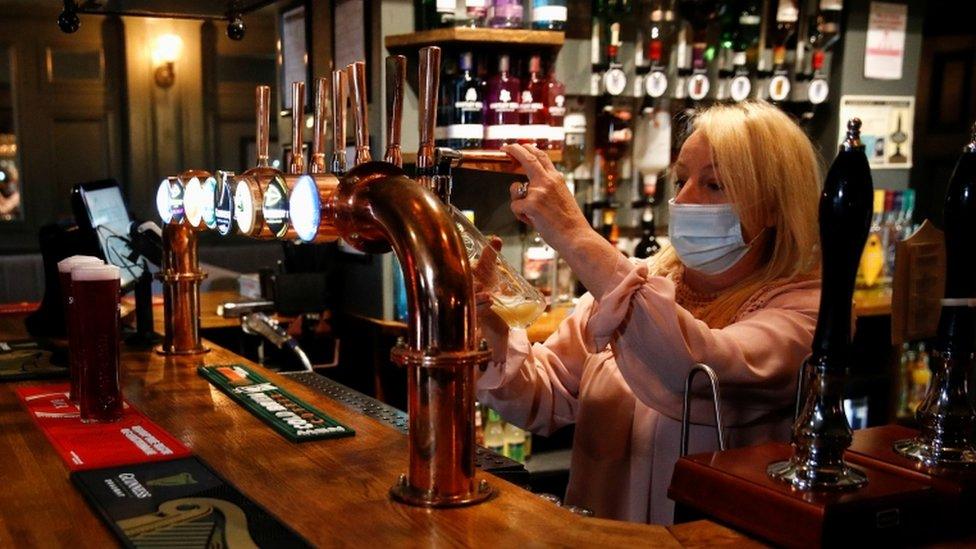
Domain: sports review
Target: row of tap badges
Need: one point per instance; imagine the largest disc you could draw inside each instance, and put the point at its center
(697, 86)
(227, 204)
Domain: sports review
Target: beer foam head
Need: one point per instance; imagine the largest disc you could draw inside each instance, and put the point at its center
(304, 208)
(68, 264)
(96, 272)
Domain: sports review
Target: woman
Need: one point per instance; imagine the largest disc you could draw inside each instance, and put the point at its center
(738, 289)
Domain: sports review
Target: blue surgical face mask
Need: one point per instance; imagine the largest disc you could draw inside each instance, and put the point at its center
(706, 237)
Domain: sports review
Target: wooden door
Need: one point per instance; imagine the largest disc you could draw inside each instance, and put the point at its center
(67, 95)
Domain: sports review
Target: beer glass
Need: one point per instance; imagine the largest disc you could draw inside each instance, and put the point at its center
(513, 299)
(71, 317)
(95, 289)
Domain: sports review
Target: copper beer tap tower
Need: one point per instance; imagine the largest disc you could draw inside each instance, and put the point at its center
(376, 207)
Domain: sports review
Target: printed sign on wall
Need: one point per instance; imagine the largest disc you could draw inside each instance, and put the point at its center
(886, 127)
(884, 49)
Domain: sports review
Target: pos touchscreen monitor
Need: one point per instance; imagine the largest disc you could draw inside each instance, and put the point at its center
(100, 208)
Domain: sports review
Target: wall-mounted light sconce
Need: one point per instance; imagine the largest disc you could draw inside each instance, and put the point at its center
(165, 51)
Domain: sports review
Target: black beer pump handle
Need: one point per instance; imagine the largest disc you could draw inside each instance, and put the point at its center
(845, 219)
(957, 324)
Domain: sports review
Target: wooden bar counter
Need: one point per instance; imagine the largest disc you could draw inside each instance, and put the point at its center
(333, 492)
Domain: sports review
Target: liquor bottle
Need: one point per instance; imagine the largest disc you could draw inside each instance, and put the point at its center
(787, 15)
(430, 14)
(613, 138)
(494, 433)
(479, 424)
(476, 13)
(659, 38)
(445, 105)
(698, 13)
(548, 14)
(532, 113)
(574, 149)
(648, 244)
(614, 79)
(554, 102)
(506, 14)
(871, 266)
(467, 128)
(539, 264)
(652, 145)
(501, 107)
(827, 25)
(514, 443)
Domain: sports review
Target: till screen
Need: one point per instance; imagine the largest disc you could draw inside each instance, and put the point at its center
(110, 219)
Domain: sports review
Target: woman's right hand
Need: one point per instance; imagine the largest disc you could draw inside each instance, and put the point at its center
(492, 328)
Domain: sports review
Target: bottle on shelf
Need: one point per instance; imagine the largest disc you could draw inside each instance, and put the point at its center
(539, 264)
(533, 118)
(652, 149)
(554, 101)
(514, 442)
(658, 38)
(494, 433)
(698, 13)
(574, 148)
(432, 14)
(648, 244)
(501, 106)
(466, 126)
(476, 13)
(871, 267)
(549, 14)
(506, 14)
(614, 79)
(612, 143)
(783, 32)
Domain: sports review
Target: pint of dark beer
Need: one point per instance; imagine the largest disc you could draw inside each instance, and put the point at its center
(95, 290)
(71, 319)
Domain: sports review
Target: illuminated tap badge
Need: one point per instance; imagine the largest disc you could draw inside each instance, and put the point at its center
(176, 208)
(192, 198)
(304, 208)
(224, 207)
(275, 206)
(615, 81)
(244, 212)
(208, 199)
(162, 202)
(656, 84)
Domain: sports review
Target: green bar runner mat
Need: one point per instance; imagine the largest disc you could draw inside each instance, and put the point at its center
(291, 417)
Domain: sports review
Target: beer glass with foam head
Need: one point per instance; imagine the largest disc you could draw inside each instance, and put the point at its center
(95, 290)
(71, 318)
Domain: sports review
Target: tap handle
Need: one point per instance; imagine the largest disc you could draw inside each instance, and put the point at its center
(317, 158)
(430, 71)
(340, 97)
(262, 97)
(297, 163)
(396, 75)
(845, 218)
(357, 82)
(959, 213)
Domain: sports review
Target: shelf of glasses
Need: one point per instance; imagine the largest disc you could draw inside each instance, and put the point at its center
(509, 38)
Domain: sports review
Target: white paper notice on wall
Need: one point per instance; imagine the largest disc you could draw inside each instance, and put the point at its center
(884, 50)
(886, 127)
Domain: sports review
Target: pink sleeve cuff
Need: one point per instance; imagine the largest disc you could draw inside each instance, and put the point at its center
(611, 310)
(497, 374)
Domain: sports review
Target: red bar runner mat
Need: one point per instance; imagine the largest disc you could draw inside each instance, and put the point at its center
(132, 439)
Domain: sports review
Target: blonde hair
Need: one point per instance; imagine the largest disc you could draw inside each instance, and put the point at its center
(772, 176)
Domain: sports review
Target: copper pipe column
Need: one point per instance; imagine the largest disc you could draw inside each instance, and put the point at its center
(356, 76)
(340, 98)
(181, 278)
(377, 206)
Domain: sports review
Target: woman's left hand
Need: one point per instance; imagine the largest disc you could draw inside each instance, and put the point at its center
(548, 205)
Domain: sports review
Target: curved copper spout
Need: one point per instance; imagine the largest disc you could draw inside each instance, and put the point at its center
(377, 206)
